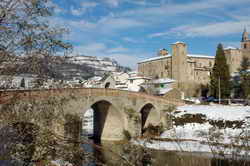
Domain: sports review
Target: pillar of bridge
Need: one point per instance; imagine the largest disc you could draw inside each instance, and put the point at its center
(108, 122)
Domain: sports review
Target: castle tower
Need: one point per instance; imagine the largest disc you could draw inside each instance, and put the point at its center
(245, 42)
(179, 61)
(244, 35)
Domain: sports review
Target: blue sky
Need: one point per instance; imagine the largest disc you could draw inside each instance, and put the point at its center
(132, 30)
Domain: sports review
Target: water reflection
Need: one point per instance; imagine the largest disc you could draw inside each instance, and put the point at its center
(115, 154)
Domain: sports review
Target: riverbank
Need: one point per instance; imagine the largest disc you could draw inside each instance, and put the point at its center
(206, 128)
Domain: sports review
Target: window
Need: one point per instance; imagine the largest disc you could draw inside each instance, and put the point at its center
(245, 45)
(131, 81)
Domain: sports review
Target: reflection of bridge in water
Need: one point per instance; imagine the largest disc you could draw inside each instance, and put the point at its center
(115, 111)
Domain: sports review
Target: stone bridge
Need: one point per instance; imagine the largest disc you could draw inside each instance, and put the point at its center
(115, 111)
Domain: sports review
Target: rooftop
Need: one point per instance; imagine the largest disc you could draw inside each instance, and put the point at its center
(230, 48)
(168, 56)
(179, 42)
(163, 80)
(139, 77)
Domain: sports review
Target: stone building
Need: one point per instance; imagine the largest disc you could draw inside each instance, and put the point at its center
(180, 66)
(189, 70)
(234, 55)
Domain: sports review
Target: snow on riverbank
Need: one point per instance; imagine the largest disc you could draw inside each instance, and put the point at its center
(196, 127)
(217, 112)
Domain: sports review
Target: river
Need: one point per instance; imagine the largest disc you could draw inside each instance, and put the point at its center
(119, 154)
(125, 153)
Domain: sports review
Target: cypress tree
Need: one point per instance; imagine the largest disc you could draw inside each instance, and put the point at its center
(220, 72)
(245, 78)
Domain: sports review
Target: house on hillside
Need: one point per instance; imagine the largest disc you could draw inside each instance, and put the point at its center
(159, 86)
(121, 80)
(25, 81)
(107, 81)
(135, 83)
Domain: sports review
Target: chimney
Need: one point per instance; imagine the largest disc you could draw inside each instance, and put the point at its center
(163, 52)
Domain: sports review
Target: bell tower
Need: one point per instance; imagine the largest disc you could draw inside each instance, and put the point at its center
(245, 42)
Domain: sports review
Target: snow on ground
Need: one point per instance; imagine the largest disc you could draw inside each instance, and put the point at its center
(217, 112)
(192, 136)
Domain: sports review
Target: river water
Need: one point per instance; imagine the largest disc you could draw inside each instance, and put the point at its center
(124, 153)
(115, 154)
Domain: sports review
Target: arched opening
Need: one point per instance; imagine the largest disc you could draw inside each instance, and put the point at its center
(103, 122)
(107, 85)
(149, 116)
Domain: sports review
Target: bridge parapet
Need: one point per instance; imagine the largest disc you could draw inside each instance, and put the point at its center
(6, 96)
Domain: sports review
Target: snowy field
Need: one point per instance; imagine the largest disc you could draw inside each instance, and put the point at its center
(197, 128)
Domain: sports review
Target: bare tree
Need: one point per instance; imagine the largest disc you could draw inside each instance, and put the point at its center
(27, 39)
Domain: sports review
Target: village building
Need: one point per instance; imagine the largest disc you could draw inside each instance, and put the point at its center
(107, 81)
(158, 86)
(135, 83)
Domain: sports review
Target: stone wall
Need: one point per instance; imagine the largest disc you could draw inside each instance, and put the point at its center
(173, 94)
(233, 58)
(157, 68)
(190, 70)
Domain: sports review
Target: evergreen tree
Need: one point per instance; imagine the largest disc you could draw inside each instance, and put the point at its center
(245, 77)
(220, 75)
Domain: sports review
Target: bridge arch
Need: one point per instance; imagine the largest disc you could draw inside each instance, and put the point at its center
(149, 115)
(108, 121)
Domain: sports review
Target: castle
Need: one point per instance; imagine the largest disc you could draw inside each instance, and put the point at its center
(179, 66)
(234, 55)
(191, 69)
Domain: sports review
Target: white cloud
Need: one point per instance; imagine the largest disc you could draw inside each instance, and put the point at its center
(130, 40)
(81, 24)
(208, 30)
(113, 3)
(119, 23)
(105, 26)
(117, 50)
(56, 8)
(93, 49)
(89, 4)
(170, 9)
(76, 12)
(85, 6)
(128, 59)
